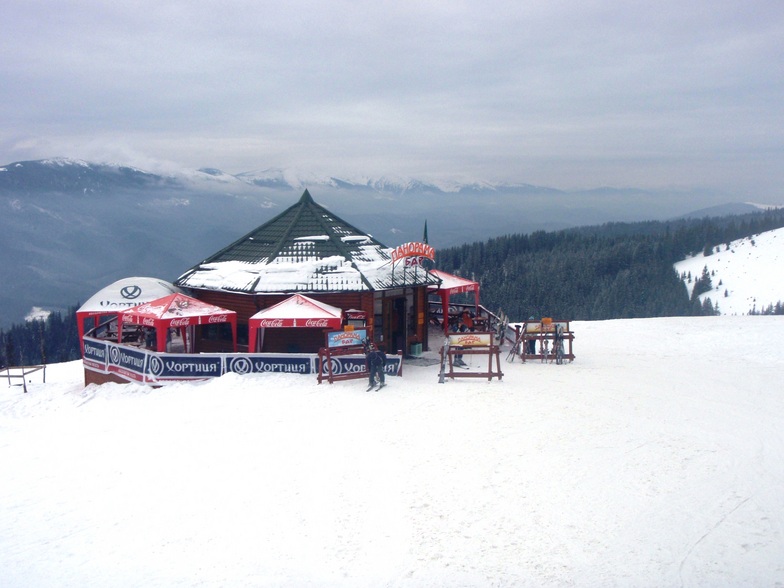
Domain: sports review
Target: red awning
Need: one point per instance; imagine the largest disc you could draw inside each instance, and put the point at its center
(451, 284)
(298, 311)
(176, 311)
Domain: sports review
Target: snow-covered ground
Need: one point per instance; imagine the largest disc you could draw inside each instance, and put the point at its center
(749, 275)
(655, 459)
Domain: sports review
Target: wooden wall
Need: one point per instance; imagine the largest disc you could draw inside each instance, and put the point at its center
(91, 377)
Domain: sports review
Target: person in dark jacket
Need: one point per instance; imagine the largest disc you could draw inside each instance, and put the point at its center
(531, 342)
(376, 360)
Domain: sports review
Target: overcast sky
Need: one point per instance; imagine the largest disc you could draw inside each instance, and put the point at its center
(566, 94)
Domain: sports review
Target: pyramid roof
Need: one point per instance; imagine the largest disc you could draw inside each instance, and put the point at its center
(305, 248)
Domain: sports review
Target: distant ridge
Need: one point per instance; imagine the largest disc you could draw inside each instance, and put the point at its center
(70, 175)
(64, 174)
(728, 209)
(69, 227)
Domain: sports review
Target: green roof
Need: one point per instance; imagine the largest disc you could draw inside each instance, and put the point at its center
(304, 248)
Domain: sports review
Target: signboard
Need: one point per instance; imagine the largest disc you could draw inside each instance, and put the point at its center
(470, 339)
(346, 338)
(144, 366)
(128, 362)
(265, 364)
(168, 366)
(356, 364)
(145, 321)
(277, 323)
(413, 250)
(96, 354)
(539, 327)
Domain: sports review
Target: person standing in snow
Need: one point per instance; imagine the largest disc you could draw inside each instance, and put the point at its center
(531, 343)
(464, 323)
(376, 360)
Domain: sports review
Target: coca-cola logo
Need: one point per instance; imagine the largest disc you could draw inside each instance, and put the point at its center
(323, 323)
(222, 318)
(271, 323)
(180, 322)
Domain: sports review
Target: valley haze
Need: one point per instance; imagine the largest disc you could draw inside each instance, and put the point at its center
(70, 227)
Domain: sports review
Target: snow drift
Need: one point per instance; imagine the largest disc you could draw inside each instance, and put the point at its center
(656, 458)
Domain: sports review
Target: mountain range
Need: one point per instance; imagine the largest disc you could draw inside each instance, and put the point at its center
(70, 227)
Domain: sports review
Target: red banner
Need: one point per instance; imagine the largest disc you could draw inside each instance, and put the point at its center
(413, 250)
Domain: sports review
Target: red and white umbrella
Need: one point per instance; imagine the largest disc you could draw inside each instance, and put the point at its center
(297, 312)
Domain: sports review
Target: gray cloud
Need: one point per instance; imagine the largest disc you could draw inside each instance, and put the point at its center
(569, 94)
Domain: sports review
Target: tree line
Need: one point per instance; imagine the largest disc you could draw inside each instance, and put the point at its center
(51, 340)
(615, 270)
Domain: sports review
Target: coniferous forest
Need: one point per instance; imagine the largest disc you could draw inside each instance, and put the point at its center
(616, 270)
(53, 340)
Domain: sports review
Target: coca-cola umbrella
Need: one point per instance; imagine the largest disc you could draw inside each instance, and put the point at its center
(176, 311)
(298, 312)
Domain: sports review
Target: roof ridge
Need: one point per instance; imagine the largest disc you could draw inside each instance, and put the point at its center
(319, 212)
(312, 250)
(304, 201)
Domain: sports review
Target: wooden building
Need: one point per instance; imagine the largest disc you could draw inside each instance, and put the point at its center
(308, 250)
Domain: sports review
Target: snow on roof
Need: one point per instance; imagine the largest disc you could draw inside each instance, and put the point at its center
(288, 275)
(452, 282)
(306, 248)
(313, 238)
(356, 238)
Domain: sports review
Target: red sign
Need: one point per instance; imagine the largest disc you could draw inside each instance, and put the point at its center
(413, 250)
(319, 323)
(140, 320)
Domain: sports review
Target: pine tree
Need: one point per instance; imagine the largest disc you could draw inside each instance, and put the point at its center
(702, 284)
